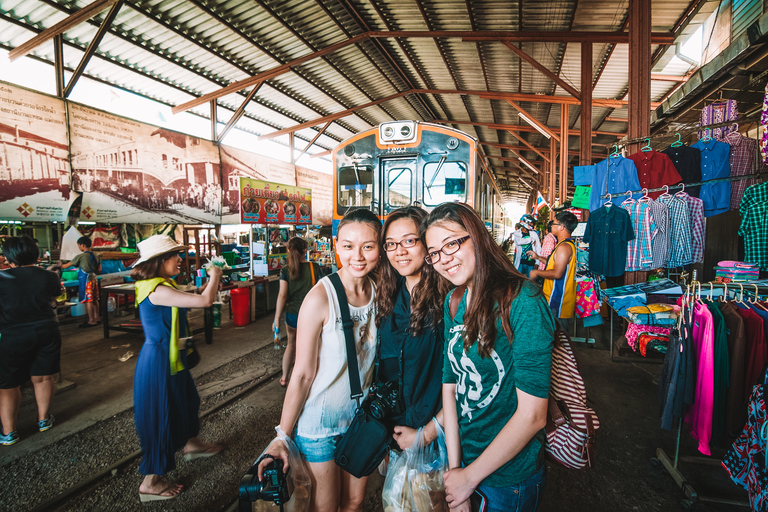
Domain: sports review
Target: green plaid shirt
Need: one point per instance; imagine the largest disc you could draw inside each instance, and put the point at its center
(754, 224)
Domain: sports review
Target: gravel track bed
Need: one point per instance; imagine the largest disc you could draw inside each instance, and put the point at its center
(243, 429)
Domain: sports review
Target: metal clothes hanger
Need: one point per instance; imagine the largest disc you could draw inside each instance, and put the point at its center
(678, 142)
(647, 146)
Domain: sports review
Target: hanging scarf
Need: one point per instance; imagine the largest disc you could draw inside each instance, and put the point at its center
(143, 290)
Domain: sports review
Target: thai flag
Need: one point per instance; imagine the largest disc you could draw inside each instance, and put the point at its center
(540, 203)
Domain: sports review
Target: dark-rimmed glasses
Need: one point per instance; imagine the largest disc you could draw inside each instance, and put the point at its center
(447, 249)
(406, 243)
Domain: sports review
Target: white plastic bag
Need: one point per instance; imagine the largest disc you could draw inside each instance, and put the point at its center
(299, 474)
(414, 480)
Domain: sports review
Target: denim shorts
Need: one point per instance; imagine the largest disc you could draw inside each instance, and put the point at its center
(523, 497)
(291, 320)
(316, 449)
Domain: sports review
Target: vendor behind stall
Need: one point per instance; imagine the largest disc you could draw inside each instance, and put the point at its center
(88, 265)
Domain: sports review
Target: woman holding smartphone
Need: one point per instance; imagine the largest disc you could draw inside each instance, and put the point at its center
(495, 389)
(317, 409)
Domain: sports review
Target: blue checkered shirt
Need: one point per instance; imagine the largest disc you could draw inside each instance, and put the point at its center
(680, 232)
(639, 250)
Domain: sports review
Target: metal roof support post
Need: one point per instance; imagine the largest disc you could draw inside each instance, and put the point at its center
(552, 170)
(292, 147)
(564, 121)
(639, 70)
(585, 153)
(58, 64)
(214, 121)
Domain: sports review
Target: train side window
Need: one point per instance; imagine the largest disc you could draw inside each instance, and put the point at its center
(444, 182)
(355, 186)
(398, 188)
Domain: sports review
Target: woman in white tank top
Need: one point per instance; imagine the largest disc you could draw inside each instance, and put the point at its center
(318, 409)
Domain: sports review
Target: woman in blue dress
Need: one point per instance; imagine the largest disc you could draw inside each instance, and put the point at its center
(166, 403)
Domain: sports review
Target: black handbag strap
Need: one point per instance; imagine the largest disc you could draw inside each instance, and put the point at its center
(356, 391)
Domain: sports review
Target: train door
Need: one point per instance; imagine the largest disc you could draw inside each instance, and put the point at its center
(397, 184)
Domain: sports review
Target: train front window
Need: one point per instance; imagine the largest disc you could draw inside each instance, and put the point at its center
(399, 178)
(444, 182)
(355, 186)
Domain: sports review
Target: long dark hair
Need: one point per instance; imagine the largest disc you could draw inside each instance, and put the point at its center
(297, 247)
(495, 283)
(427, 296)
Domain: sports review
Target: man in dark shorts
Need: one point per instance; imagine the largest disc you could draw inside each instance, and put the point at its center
(30, 342)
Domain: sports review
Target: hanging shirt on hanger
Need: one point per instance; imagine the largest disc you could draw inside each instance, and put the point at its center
(737, 353)
(660, 243)
(715, 163)
(742, 159)
(608, 231)
(754, 224)
(613, 176)
(696, 217)
(655, 170)
(764, 128)
(639, 250)
(719, 112)
(687, 161)
(699, 414)
(680, 231)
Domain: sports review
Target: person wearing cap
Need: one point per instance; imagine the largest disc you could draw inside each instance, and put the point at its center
(526, 240)
(166, 402)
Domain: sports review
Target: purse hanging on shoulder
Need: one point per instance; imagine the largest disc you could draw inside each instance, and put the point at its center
(366, 442)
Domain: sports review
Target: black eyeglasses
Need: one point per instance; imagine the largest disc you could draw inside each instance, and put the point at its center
(406, 243)
(448, 249)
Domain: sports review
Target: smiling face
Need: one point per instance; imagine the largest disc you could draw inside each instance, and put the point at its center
(407, 261)
(459, 267)
(358, 248)
(171, 266)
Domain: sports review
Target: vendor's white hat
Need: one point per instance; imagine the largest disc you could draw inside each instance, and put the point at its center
(155, 246)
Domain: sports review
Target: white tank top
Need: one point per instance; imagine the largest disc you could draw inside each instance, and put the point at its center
(329, 410)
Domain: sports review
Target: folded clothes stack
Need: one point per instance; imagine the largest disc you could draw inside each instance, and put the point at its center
(736, 272)
(642, 336)
(654, 314)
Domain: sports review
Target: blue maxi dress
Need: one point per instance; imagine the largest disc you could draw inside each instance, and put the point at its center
(166, 406)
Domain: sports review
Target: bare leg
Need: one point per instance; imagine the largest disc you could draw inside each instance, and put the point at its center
(326, 486)
(290, 354)
(352, 492)
(196, 445)
(154, 484)
(45, 388)
(10, 401)
(93, 312)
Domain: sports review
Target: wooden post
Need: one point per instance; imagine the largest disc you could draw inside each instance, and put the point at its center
(552, 170)
(639, 70)
(585, 151)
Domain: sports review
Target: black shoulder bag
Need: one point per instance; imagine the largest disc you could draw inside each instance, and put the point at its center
(366, 442)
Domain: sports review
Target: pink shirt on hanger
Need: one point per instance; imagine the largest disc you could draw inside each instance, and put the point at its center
(699, 414)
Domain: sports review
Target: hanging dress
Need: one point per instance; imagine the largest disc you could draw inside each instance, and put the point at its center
(165, 399)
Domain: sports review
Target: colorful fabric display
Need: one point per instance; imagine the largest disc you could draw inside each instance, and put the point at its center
(754, 224)
(719, 112)
(587, 300)
(635, 330)
(654, 314)
(736, 271)
(655, 342)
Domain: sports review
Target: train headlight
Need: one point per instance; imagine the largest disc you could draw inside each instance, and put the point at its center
(388, 132)
(397, 132)
(405, 131)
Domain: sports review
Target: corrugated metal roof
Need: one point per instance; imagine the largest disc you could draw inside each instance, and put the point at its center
(176, 50)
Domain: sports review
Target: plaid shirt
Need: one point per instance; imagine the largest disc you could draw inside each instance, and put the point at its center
(639, 250)
(680, 231)
(742, 158)
(660, 245)
(754, 224)
(696, 215)
(547, 245)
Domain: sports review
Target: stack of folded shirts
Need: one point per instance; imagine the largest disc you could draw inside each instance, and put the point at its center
(654, 314)
(736, 272)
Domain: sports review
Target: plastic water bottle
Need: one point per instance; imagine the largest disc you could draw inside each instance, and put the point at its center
(277, 338)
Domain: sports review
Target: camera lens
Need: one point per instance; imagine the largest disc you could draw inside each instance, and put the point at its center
(378, 410)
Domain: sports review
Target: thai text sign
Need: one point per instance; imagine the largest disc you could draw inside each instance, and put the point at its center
(263, 202)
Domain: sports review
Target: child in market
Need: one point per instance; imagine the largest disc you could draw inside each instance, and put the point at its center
(88, 265)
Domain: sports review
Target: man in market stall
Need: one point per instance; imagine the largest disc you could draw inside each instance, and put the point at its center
(560, 272)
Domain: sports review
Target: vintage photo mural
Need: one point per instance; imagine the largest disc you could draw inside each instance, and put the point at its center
(34, 156)
(134, 172)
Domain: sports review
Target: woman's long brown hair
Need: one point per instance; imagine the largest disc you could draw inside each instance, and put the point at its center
(495, 284)
(297, 247)
(427, 296)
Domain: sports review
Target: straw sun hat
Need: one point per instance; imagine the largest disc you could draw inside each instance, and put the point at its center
(155, 246)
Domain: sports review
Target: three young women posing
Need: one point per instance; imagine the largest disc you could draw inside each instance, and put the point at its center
(317, 409)
(495, 389)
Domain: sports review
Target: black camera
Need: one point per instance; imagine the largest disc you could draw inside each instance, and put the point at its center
(274, 486)
(383, 400)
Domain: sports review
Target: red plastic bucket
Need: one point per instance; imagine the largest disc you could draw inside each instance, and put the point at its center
(241, 306)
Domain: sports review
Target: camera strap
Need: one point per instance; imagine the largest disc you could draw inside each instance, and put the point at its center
(353, 370)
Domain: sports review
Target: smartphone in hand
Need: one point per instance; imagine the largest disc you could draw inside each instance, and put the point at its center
(478, 502)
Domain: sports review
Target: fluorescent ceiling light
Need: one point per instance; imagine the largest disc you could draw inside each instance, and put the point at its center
(535, 125)
(524, 183)
(529, 165)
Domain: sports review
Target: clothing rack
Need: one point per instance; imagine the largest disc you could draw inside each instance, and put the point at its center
(671, 464)
(675, 187)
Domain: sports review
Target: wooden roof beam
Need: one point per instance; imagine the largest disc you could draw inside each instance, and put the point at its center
(59, 28)
(266, 75)
(527, 144)
(526, 36)
(314, 139)
(533, 62)
(519, 128)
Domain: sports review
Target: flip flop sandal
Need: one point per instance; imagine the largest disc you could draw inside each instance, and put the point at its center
(202, 454)
(145, 497)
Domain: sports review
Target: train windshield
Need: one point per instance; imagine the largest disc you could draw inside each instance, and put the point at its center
(445, 182)
(398, 176)
(355, 186)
